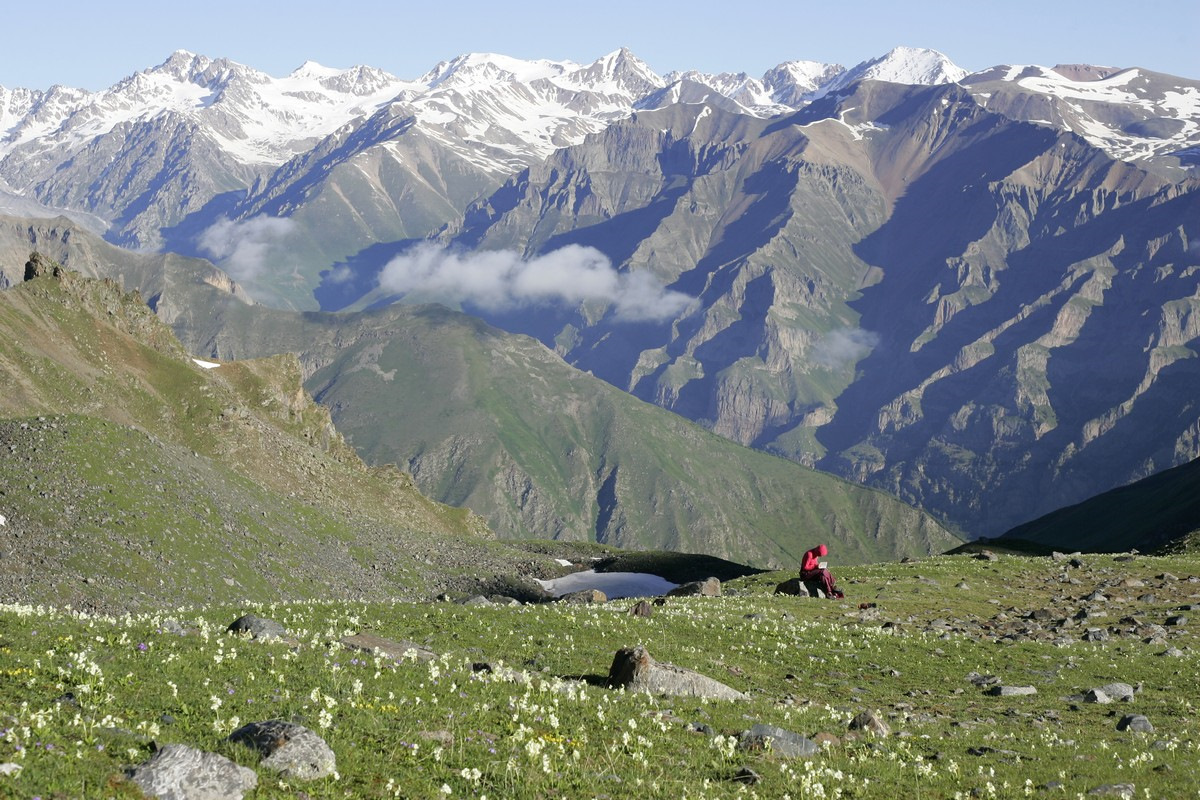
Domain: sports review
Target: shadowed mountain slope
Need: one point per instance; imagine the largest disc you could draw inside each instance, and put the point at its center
(986, 317)
(1159, 513)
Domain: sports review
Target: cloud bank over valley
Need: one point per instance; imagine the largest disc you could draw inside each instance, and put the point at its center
(501, 280)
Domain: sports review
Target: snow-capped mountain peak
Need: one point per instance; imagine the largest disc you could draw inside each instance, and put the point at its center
(1130, 113)
(909, 65)
(489, 114)
(619, 71)
(474, 69)
(794, 83)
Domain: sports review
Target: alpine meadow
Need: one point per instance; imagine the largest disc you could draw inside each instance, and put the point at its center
(540, 429)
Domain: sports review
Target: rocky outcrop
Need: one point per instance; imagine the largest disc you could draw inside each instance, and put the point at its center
(180, 772)
(291, 750)
(709, 587)
(379, 645)
(634, 670)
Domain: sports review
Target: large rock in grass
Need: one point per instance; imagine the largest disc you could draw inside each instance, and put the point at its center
(370, 643)
(780, 742)
(634, 670)
(709, 587)
(585, 597)
(179, 772)
(289, 749)
(258, 627)
(800, 588)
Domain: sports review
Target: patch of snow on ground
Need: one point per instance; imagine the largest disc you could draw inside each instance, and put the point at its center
(206, 364)
(613, 584)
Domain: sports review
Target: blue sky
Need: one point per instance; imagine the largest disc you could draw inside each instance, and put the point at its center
(92, 45)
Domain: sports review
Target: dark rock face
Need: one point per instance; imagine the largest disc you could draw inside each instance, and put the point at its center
(289, 749)
(39, 265)
(179, 772)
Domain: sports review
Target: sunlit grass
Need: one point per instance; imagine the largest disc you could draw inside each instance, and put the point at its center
(85, 696)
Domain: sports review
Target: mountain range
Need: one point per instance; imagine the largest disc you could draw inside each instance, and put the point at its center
(976, 292)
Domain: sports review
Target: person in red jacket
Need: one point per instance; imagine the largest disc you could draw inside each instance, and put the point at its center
(813, 569)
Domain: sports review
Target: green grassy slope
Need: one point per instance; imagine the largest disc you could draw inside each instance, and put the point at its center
(132, 477)
(500, 424)
(85, 697)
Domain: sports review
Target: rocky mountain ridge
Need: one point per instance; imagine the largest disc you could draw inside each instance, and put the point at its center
(357, 157)
(895, 283)
(927, 288)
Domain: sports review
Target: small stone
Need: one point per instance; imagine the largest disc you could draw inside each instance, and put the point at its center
(870, 722)
(1176, 621)
(799, 588)
(782, 743)
(1172, 652)
(1096, 696)
(642, 609)
(1135, 722)
(634, 670)
(1012, 691)
(747, 776)
(291, 750)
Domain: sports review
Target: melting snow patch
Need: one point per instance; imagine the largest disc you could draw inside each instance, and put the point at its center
(562, 562)
(206, 364)
(613, 584)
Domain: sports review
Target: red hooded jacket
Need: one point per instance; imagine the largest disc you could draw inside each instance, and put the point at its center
(812, 558)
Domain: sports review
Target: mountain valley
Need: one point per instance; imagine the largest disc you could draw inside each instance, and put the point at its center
(974, 291)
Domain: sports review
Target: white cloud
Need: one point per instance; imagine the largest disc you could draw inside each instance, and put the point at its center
(844, 347)
(500, 280)
(244, 248)
(339, 274)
